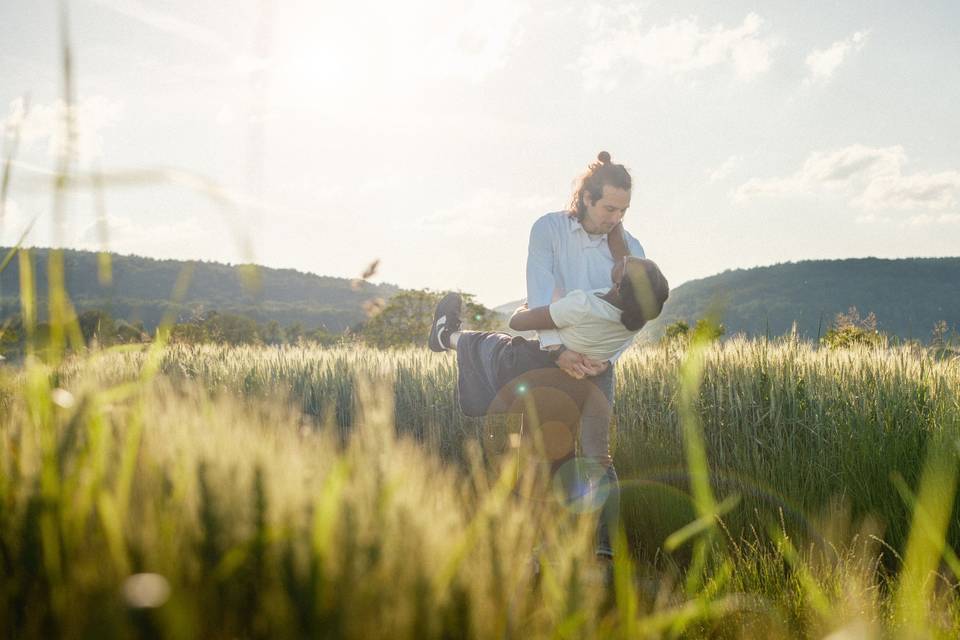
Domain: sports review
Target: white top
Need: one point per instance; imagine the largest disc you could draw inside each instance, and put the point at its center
(590, 325)
(563, 257)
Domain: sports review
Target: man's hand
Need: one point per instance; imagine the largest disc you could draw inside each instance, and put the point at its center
(579, 366)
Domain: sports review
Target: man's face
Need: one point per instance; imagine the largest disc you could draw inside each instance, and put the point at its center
(604, 214)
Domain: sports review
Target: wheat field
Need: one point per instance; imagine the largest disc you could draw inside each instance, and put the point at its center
(208, 491)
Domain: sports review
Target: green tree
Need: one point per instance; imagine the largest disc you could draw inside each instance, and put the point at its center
(708, 330)
(11, 337)
(128, 333)
(189, 333)
(97, 325)
(233, 329)
(406, 318)
(213, 326)
(678, 330)
(271, 333)
(704, 329)
(321, 336)
(293, 333)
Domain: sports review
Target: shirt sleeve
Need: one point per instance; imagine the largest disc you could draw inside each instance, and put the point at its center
(569, 310)
(626, 346)
(633, 246)
(540, 263)
(541, 279)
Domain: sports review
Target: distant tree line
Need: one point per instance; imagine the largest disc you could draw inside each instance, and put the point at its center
(848, 329)
(402, 320)
(99, 328)
(142, 288)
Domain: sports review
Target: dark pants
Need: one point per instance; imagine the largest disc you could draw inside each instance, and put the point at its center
(501, 374)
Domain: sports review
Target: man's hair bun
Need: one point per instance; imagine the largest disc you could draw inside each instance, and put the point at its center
(599, 174)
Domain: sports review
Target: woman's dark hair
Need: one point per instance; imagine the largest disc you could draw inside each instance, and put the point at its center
(600, 173)
(643, 291)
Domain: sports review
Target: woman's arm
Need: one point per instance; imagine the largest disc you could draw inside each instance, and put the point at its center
(537, 319)
(617, 243)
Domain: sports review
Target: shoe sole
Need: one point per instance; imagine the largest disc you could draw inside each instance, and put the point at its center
(448, 308)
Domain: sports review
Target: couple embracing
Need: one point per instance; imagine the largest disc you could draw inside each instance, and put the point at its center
(590, 289)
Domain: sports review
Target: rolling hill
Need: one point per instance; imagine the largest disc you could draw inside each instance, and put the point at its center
(907, 295)
(142, 289)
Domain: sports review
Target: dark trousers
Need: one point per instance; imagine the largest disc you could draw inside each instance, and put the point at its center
(501, 374)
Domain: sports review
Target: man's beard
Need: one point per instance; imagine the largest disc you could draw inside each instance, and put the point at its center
(590, 227)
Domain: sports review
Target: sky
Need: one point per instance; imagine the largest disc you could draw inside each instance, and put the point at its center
(431, 134)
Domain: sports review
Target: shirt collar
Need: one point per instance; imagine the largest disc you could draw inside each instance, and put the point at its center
(586, 239)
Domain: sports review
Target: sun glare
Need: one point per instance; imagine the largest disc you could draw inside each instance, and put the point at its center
(361, 51)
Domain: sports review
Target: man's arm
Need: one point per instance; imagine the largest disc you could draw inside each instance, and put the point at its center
(541, 282)
(541, 279)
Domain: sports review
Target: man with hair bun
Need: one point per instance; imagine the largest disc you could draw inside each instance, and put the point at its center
(576, 249)
(589, 290)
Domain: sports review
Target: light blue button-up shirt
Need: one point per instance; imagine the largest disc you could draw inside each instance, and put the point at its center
(563, 257)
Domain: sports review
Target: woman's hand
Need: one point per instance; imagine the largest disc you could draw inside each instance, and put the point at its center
(576, 365)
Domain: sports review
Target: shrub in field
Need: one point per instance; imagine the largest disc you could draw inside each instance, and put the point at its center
(704, 330)
(707, 330)
(676, 331)
(849, 329)
(102, 328)
(943, 342)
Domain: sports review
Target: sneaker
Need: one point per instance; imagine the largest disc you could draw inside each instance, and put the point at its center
(446, 320)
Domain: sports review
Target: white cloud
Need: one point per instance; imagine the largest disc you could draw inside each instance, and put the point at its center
(926, 219)
(822, 63)
(44, 123)
(856, 161)
(919, 190)
(725, 169)
(871, 177)
(618, 44)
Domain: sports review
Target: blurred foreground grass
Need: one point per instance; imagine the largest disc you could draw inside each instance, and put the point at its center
(291, 492)
(208, 492)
